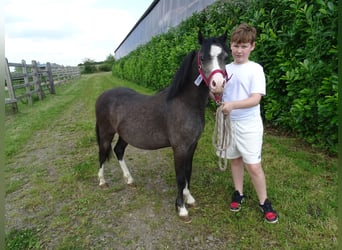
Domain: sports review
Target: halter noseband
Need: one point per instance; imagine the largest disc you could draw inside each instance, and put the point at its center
(205, 79)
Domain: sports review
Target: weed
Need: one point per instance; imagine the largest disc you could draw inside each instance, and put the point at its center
(23, 239)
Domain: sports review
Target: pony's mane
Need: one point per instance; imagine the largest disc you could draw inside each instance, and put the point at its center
(181, 76)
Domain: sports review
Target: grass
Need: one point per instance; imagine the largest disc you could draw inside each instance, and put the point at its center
(24, 239)
(53, 201)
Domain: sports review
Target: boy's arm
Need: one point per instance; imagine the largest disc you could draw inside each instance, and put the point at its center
(251, 101)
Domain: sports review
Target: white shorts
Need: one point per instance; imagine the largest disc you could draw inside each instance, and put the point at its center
(246, 140)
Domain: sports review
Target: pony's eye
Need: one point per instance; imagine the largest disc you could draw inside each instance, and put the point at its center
(202, 58)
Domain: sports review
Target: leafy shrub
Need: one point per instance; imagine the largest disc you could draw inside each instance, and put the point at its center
(107, 64)
(105, 67)
(89, 67)
(296, 45)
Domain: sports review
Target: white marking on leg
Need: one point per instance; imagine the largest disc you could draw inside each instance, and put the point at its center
(183, 212)
(126, 173)
(101, 176)
(188, 197)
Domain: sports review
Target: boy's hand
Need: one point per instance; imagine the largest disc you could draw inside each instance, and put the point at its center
(227, 107)
(252, 100)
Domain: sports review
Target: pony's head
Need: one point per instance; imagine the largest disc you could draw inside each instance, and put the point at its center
(212, 59)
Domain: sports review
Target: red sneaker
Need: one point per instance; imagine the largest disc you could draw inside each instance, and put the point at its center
(237, 199)
(269, 214)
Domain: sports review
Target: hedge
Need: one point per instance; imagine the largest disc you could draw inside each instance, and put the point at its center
(296, 45)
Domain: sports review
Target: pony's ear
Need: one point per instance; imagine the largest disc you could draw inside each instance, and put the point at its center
(224, 37)
(200, 37)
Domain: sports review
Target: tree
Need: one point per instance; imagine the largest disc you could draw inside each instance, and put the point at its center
(89, 66)
(108, 63)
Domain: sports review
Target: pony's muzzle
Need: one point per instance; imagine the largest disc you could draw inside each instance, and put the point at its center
(217, 84)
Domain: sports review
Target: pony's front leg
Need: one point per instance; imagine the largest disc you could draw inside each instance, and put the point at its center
(181, 209)
(189, 199)
(184, 196)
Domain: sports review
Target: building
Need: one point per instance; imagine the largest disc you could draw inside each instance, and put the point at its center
(160, 16)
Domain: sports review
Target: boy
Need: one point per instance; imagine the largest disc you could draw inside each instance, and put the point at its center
(241, 100)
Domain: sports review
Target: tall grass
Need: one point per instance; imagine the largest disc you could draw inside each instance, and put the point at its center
(53, 199)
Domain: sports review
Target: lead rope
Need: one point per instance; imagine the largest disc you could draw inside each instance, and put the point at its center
(221, 137)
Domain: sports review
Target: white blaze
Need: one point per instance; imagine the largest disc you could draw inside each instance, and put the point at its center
(215, 51)
(218, 78)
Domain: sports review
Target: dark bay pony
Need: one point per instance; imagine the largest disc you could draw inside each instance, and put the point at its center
(173, 117)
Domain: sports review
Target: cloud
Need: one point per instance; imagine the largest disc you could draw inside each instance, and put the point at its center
(41, 33)
(67, 31)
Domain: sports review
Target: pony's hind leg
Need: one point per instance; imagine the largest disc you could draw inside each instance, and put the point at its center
(104, 142)
(104, 151)
(188, 198)
(100, 174)
(119, 151)
(183, 192)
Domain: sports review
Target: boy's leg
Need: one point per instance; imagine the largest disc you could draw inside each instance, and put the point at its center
(237, 167)
(258, 179)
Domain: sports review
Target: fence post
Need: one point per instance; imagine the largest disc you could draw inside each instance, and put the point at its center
(37, 80)
(51, 83)
(27, 83)
(65, 74)
(12, 100)
(61, 74)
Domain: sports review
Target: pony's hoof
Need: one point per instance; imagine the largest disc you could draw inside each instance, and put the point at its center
(132, 185)
(104, 185)
(194, 205)
(186, 219)
(129, 180)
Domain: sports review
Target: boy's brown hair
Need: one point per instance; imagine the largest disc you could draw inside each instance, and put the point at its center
(244, 33)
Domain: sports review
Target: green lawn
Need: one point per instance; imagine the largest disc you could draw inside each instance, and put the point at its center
(52, 198)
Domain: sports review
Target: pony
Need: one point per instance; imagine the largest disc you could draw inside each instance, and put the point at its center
(173, 117)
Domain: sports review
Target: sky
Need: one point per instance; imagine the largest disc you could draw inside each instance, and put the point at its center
(68, 32)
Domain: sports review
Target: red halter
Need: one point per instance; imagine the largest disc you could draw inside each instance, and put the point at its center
(205, 79)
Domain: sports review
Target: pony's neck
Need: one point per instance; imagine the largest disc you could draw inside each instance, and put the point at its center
(196, 95)
(183, 86)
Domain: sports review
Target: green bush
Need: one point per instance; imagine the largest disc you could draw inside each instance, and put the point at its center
(105, 67)
(89, 67)
(107, 64)
(296, 45)
(299, 41)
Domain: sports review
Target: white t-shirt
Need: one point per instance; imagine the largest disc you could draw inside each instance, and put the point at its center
(246, 79)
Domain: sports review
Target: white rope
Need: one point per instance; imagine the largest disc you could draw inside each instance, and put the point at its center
(221, 136)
